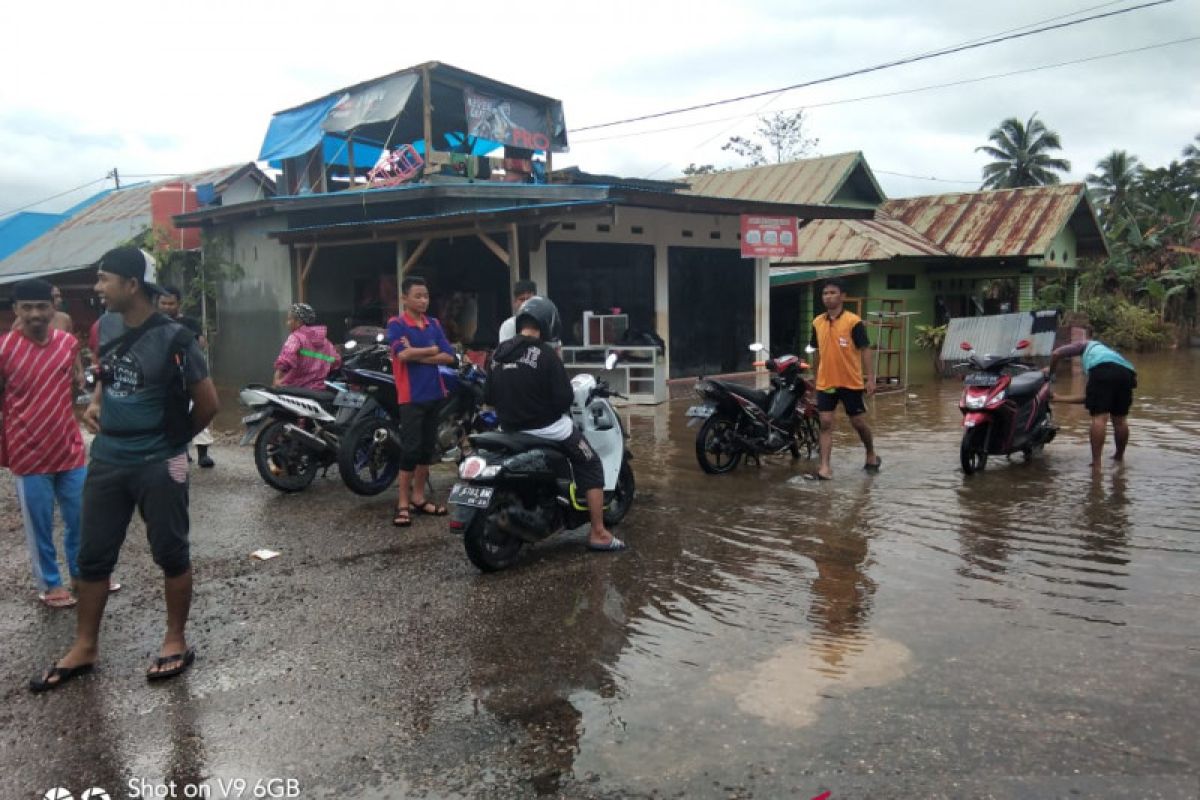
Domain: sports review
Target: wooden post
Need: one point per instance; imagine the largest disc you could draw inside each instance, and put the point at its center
(514, 256)
(491, 244)
(350, 158)
(415, 256)
(427, 103)
(302, 282)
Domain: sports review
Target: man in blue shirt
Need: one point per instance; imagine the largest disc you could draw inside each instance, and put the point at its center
(1111, 380)
(418, 346)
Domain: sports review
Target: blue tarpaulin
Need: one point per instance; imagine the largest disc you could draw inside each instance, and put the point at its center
(294, 133)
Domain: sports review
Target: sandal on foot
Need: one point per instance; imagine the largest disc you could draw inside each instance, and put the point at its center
(180, 662)
(816, 476)
(401, 517)
(49, 600)
(56, 676)
(614, 545)
(874, 467)
(429, 508)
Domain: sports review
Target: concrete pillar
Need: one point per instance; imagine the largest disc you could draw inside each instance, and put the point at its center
(662, 296)
(762, 292)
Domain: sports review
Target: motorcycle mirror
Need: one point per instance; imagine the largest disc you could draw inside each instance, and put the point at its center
(965, 346)
(350, 345)
(754, 348)
(610, 361)
(1021, 345)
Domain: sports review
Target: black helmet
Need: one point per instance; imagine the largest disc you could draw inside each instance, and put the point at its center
(542, 313)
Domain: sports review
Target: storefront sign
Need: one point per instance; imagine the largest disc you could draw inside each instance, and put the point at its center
(509, 121)
(768, 237)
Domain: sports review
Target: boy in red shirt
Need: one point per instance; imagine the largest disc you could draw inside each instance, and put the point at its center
(40, 440)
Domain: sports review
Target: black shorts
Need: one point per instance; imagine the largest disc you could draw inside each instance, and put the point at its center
(1110, 390)
(587, 466)
(852, 401)
(418, 433)
(159, 492)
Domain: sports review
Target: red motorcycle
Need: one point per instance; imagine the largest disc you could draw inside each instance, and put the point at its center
(1005, 406)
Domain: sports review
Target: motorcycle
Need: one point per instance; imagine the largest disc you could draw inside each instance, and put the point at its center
(296, 431)
(517, 489)
(1003, 412)
(740, 422)
(368, 455)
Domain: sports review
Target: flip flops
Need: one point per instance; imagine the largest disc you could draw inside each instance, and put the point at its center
(56, 676)
(181, 662)
(614, 545)
(57, 601)
(874, 467)
(424, 508)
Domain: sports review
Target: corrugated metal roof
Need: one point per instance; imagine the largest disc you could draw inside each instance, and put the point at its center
(80, 241)
(839, 241)
(786, 276)
(811, 180)
(1008, 222)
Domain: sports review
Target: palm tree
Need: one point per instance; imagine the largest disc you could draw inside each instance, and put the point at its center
(1114, 183)
(1022, 155)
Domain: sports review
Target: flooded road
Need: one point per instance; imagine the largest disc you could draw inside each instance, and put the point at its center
(1027, 632)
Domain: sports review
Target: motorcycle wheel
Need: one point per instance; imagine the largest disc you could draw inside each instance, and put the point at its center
(489, 548)
(715, 450)
(622, 496)
(807, 433)
(282, 463)
(367, 467)
(973, 450)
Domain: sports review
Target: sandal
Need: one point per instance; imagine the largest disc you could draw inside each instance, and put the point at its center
(52, 600)
(56, 676)
(401, 518)
(429, 508)
(170, 666)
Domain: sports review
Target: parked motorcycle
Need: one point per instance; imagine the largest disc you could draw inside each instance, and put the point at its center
(742, 422)
(296, 431)
(1003, 412)
(369, 452)
(517, 489)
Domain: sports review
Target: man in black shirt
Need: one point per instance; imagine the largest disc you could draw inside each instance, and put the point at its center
(170, 303)
(529, 388)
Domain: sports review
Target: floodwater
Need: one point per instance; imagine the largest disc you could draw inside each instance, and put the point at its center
(1027, 632)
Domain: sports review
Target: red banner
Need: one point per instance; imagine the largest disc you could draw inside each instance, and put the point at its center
(768, 237)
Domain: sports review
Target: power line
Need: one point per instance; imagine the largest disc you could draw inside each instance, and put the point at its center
(53, 197)
(877, 67)
(896, 93)
(921, 177)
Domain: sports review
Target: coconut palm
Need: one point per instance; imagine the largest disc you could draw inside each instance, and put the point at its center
(1114, 183)
(1022, 153)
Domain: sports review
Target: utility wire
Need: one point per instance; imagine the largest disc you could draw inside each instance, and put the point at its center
(896, 93)
(876, 67)
(52, 197)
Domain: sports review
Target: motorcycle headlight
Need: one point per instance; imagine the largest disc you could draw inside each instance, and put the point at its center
(472, 467)
(996, 400)
(976, 402)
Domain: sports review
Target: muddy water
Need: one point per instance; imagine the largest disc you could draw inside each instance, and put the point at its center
(1031, 624)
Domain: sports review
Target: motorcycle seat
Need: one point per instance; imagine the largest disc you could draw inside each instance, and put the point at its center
(513, 442)
(756, 396)
(320, 395)
(1026, 384)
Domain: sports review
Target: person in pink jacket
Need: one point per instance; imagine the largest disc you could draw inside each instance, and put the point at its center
(307, 356)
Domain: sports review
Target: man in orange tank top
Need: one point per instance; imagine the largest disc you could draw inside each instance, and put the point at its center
(845, 356)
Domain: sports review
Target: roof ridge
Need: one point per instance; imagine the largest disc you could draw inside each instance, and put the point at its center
(1079, 184)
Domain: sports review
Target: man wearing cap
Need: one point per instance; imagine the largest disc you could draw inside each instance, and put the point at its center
(150, 369)
(39, 439)
(62, 320)
(307, 356)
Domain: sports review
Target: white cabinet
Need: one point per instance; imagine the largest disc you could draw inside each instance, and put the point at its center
(639, 373)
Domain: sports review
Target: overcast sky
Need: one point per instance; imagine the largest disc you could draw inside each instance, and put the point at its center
(170, 87)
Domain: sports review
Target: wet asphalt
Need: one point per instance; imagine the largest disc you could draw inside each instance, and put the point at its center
(1029, 632)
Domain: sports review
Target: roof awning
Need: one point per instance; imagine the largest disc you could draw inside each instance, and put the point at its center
(788, 276)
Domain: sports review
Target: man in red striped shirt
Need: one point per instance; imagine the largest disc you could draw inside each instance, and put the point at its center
(40, 440)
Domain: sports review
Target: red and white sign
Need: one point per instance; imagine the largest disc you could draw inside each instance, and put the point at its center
(769, 237)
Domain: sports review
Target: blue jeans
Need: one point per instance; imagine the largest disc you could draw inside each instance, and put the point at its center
(37, 494)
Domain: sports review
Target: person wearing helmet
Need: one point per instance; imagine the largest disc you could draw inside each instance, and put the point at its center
(528, 386)
(307, 356)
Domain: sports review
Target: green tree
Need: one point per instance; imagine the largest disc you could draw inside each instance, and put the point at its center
(1115, 184)
(1022, 155)
(782, 135)
(699, 169)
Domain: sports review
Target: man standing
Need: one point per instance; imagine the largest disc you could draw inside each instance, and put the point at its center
(522, 291)
(151, 369)
(62, 320)
(528, 385)
(1111, 380)
(40, 439)
(170, 302)
(418, 346)
(845, 355)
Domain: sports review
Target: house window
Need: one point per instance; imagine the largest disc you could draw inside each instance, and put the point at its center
(1051, 255)
(1066, 256)
(901, 282)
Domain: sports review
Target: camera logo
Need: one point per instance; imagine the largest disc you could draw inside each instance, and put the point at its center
(59, 793)
(94, 793)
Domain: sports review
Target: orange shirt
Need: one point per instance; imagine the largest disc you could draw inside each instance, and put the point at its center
(840, 343)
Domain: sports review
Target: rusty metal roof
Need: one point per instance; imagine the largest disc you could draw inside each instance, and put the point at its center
(80, 241)
(1008, 222)
(838, 241)
(810, 180)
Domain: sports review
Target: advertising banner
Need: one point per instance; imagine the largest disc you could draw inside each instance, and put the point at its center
(768, 237)
(509, 121)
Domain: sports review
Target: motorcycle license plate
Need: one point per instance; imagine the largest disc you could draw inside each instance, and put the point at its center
(465, 494)
(350, 399)
(982, 379)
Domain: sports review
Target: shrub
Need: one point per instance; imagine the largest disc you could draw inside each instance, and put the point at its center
(1125, 326)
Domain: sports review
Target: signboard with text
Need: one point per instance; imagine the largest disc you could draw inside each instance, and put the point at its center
(768, 237)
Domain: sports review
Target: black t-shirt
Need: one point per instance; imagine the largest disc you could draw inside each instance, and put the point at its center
(528, 385)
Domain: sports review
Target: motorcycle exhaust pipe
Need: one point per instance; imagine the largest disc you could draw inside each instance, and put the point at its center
(389, 438)
(311, 441)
